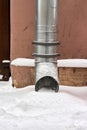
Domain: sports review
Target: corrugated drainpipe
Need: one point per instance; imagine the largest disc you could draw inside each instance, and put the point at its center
(46, 45)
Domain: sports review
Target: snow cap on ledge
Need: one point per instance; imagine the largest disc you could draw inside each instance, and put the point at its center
(77, 63)
(6, 61)
(23, 62)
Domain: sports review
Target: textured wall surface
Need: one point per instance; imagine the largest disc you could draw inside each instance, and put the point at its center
(22, 28)
(72, 30)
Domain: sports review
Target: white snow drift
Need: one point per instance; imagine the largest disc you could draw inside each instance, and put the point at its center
(25, 109)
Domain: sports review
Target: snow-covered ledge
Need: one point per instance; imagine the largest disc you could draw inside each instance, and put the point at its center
(22, 72)
(6, 61)
(23, 62)
(71, 72)
(78, 63)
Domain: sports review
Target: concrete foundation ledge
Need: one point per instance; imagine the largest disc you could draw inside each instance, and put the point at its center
(22, 72)
(71, 72)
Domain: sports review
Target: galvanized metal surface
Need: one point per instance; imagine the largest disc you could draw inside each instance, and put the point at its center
(46, 18)
(46, 43)
(46, 22)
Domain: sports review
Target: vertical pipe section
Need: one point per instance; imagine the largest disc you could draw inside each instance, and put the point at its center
(45, 44)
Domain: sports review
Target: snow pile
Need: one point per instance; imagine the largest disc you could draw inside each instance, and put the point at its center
(82, 63)
(25, 109)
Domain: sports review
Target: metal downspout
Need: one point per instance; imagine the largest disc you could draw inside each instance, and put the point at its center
(46, 44)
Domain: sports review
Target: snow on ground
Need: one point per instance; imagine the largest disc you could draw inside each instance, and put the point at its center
(25, 109)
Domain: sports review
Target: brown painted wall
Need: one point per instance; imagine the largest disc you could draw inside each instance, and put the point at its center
(22, 28)
(72, 28)
(72, 32)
